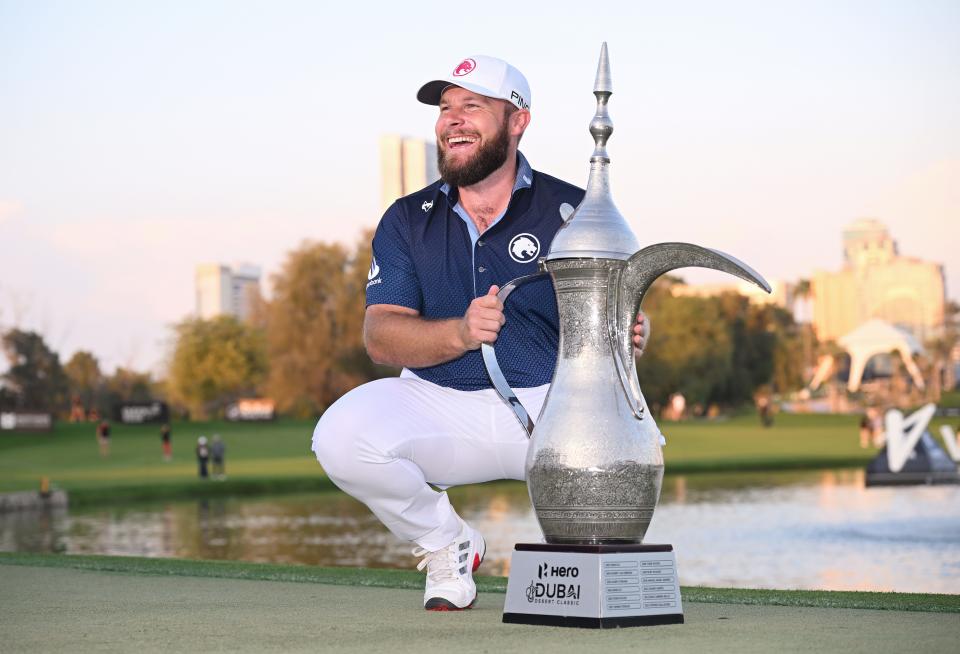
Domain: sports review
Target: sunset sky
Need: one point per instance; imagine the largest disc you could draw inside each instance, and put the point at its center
(138, 139)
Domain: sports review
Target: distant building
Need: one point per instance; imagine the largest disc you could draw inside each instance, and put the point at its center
(406, 165)
(222, 290)
(877, 282)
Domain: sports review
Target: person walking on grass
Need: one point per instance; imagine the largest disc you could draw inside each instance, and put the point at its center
(165, 442)
(218, 450)
(103, 438)
(203, 458)
(439, 258)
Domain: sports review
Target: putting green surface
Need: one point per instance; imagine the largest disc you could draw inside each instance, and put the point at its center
(61, 608)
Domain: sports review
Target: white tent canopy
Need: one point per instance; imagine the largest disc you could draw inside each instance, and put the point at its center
(870, 338)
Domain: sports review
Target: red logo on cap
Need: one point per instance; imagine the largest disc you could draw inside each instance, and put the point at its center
(466, 66)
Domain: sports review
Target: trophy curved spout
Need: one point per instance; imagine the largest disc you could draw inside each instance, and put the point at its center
(642, 269)
(649, 263)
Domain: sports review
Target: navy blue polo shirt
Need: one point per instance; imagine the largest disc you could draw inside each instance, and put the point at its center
(425, 259)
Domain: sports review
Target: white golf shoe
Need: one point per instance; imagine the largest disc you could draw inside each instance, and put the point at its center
(450, 585)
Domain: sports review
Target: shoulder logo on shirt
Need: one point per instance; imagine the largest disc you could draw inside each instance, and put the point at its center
(374, 272)
(464, 68)
(524, 248)
(427, 205)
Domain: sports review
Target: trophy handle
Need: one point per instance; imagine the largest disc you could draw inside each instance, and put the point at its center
(493, 368)
(621, 343)
(642, 269)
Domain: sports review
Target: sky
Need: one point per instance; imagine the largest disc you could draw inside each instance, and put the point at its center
(138, 139)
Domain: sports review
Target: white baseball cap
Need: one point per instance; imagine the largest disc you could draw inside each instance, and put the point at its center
(487, 76)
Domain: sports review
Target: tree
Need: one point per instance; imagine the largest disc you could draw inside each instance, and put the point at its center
(803, 294)
(753, 348)
(314, 323)
(718, 349)
(690, 350)
(215, 362)
(85, 379)
(354, 360)
(792, 345)
(35, 377)
(126, 385)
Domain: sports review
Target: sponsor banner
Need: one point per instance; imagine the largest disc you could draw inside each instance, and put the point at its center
(140, 413)
(252, 409)
(26, 421)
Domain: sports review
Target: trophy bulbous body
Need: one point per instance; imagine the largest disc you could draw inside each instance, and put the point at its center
(594, 470)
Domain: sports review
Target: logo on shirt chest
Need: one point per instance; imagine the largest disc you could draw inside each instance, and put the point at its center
(524, 248)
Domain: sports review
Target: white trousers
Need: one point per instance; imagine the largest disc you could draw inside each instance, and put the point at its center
(385, 441)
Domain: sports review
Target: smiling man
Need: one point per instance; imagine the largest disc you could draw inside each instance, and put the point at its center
(440, 255)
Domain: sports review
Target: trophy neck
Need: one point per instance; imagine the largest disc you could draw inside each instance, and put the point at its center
(583, 288)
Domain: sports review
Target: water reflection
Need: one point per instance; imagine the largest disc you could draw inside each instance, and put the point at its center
(793, 530)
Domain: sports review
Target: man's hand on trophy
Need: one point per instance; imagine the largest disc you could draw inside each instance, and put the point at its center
(641, 333)
(483, 320)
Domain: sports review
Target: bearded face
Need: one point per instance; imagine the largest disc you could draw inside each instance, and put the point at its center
(466, 170)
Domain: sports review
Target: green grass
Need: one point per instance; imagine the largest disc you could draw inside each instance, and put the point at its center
(276, 457)
(69, 456)
(385, 578)
(949, 399)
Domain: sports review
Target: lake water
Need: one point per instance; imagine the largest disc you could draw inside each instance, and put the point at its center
(820, 530)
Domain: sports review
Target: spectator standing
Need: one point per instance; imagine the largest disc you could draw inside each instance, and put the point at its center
(103, 438)
(203, 457)
(218, 449)
(677, 405)
(77, 412)
(165, 440)
(765, 410)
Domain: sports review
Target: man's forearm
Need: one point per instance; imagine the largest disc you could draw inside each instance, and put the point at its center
(412, 341)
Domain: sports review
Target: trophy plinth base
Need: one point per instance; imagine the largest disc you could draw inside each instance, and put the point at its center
(593, 586)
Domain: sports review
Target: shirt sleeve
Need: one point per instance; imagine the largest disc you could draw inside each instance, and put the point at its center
(393, 277)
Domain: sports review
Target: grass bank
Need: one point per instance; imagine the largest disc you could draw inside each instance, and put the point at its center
(276, 457)
(384, 578)
(195, 489)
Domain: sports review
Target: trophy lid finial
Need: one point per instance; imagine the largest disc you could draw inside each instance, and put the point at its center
(603, 83)
(596, 229)
(601, 127)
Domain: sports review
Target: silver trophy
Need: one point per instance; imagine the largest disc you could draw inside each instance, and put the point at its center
(595, 465)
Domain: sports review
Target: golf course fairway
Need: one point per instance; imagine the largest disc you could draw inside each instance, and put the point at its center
(63, 603)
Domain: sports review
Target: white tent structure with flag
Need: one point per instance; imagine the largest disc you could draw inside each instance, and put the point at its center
(870, 338)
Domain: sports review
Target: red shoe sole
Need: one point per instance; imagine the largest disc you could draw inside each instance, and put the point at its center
(439, 604)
